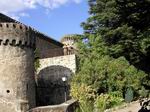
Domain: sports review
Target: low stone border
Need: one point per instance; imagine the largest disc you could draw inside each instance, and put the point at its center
(68, 106)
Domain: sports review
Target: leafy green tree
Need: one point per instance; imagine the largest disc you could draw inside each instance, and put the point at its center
(124, 26)
(100, 76)
(107, 75)
(99, 70)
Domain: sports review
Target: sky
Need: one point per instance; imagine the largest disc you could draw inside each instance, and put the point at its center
(55, 18)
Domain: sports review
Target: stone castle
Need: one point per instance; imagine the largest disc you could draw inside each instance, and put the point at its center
(21, 88)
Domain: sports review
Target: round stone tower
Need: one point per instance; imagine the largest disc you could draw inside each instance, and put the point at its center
(17, 83)
(69, 42)
(70, 39)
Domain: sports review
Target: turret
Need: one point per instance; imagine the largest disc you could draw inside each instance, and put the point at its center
(69, 42)
(17, 83)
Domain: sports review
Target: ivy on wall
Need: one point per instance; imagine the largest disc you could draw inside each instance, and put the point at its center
(36, 59)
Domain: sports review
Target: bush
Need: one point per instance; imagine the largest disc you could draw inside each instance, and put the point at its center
(102, 80)
(85, 95)
(101, 74)
(103, 83)
(105, 101)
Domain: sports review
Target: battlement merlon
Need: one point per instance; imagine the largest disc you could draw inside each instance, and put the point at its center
(16, 34)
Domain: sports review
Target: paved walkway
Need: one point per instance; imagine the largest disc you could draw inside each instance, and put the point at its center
(132, 107)
(135, 107)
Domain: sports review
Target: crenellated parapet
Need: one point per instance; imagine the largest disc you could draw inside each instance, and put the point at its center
(16, 34)
(71, 37)
(70, 43)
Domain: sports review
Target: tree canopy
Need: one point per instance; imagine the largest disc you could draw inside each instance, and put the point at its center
(124, 26)
(114, 53)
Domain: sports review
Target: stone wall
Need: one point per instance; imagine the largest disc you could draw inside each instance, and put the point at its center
(68, 61)
(17, 83)
(46, 48)
(50, 87)
(69, 106)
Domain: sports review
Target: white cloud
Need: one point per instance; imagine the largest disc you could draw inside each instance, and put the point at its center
(16, 8)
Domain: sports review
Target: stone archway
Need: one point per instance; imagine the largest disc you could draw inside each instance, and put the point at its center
(50, 87)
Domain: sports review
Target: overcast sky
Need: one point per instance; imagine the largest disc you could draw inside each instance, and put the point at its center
(55, 18)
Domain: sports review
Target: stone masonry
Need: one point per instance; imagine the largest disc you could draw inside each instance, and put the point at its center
(68, 61)
(17, 84)
(21, 89)
(50, 87)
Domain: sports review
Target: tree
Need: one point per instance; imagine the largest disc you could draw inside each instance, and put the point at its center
(100, 77)
(115, 46)
(98, 70)
(124, 26)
